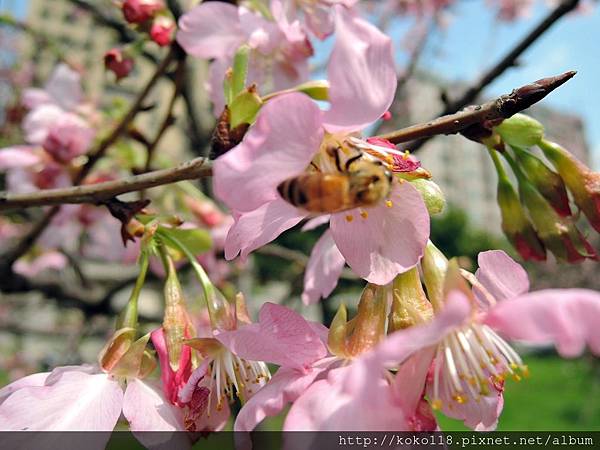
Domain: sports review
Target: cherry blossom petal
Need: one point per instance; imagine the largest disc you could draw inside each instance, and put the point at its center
(36, 379)
(18, 156)
(325, 406)
(315, 222)
(285, 387)
(282, 337)
(35, 97)
(51, 260)
(281, 144)
(389, 241)
(146, 409)
(64, 87)
(568, 318)
(361, 73)
(409, 382)
(38, 122)
(259, 227)
(76, 402)
(323, 270)
(211, 30)
(501, 275)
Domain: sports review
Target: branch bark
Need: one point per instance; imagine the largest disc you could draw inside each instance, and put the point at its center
(507, 61)
(501, 108)
(101, 192)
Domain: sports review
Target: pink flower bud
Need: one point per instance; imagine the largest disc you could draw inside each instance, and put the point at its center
(140, 11)
(116, 62)
(161, 31)
(580, 180)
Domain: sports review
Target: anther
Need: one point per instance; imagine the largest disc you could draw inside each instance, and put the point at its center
(388, 203)
(349, 218)
(364, 214)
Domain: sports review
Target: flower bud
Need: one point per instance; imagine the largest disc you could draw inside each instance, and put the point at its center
(410, 305)
(516, 226)
(370, 320)
(520, 130)
(338, 331)
(547, 182)
(580, 180)
(140, 11)
(558, 234)
(434, 265)
(161, 31)
(117, 63)
(176, 323)
(432, 195)
(116, 348)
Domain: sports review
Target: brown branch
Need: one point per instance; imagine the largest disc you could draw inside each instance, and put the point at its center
(506, 62)
(169, 119)
(101, 192)
(501, 108)
(29, 239)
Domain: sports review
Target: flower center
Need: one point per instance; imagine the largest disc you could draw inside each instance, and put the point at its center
(473, 362)
(232, 376)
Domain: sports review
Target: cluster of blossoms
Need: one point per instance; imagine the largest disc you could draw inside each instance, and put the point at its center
(59, 129)
(427, 335)
(540, 217)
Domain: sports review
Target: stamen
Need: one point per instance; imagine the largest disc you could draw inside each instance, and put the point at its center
(349, 218)
(389, 203)
(364, 214)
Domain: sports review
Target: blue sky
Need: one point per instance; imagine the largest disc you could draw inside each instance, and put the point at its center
(474, 40)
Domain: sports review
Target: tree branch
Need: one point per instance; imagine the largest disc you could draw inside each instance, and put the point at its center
(101, 192)
(509, 60)
(501, 108)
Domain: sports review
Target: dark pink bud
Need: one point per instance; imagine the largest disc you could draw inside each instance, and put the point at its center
(140, 11)
(117, 63)
(161, 31)
(386, 115)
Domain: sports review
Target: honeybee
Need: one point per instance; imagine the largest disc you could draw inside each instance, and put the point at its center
(360, 182)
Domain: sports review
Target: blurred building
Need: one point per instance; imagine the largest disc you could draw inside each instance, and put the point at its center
(463, 168)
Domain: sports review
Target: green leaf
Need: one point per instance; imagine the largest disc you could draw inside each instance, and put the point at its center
(228, 87)
(317, 89)
(244, 108)
(240, 70)
(196, 240)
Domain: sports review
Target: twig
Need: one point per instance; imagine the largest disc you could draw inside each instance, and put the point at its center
(101, 192)
(502, 107)
(29, 239)
(169, 119)
(509, 60)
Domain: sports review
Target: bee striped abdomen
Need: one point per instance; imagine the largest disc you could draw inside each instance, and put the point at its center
(316, 192)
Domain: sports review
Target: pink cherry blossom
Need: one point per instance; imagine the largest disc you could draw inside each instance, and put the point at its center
(463, 370)
(291, 132)
(203, 392)
(279, 49)
(312, 377)
(318, 15)
(82, 398)
(63, 90)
